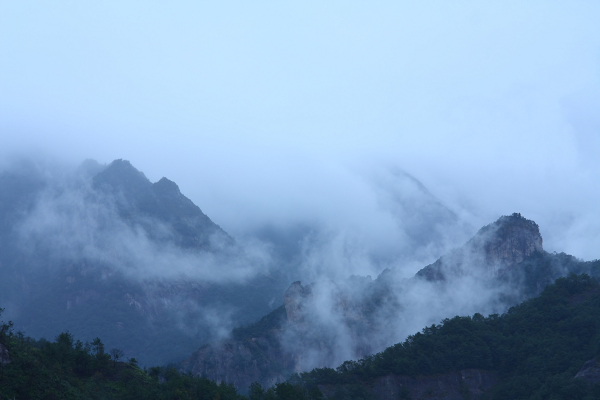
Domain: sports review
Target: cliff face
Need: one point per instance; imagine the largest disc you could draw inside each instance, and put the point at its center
(590, 371)
(241, 362)
(465, 384)
(495, 250)
(328, 323)
(509, 240)
(295, 299)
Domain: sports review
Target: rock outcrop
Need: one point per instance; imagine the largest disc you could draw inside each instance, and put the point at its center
(328, 323)
(494, 251)
(253, 354)
(294, 299)
(241, 363)
(465, 384)
(590, 371)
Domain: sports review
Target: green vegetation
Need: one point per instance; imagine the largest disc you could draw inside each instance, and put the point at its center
(537, 347)
(68, 369)
(284, 391)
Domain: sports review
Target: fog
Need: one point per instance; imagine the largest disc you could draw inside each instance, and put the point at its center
(257, 112)
(348, 137)
(338, 326)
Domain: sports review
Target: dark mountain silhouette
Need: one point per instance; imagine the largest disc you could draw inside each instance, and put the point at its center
(79, 252)
(137, 199)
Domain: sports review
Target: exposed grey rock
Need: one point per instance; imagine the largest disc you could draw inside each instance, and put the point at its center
(294, 299)
(590, 371)
(328, 323)
(241, 362)
(468, 383)
(495, 250)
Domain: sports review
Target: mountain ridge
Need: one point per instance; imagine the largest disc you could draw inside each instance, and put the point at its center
(507, 253)
(79, 252)
(136, 197)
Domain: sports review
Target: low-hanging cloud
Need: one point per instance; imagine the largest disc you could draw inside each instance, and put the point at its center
(72, 221)
(331, 322)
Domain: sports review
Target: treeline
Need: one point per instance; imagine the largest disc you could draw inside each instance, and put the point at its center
(69, 369)
(537, 347)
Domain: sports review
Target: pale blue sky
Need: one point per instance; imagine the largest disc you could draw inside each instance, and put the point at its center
(264, 110)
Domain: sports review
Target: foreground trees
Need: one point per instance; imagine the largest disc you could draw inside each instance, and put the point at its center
(69, 369)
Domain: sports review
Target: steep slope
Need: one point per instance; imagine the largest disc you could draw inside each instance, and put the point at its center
(545, 347)
(137, 200)
(326, 323)
(102, 251)
(494, 251)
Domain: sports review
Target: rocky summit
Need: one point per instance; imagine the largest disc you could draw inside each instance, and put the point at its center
(324, 323)
(496, 249)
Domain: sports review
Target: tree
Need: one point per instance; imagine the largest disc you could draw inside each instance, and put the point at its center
(116, 354)
(256, 391)
(98, 347)
(5, 328)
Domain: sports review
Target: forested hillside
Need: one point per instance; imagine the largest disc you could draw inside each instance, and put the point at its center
(534, 351)
(544, 348)
(69, 369)
(324, 323)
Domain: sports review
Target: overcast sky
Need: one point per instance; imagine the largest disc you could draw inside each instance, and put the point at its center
(269, 111)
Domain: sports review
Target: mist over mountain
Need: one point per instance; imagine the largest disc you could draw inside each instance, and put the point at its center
(155, 205)
(395, 221)
(100, 250)
(325, 323)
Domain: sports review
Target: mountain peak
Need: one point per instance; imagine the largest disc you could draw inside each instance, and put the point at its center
(495, 248)
(509, 240)
(509, 224)
(120, 175)
(166, 187)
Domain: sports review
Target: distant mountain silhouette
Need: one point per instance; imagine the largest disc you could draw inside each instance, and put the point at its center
(137, 199)
(69, 245)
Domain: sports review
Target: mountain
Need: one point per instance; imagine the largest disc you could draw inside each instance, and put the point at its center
(395, 219)
(543, 348)
(494, 251)
(102, 251)
(546, 347)
(326, 323)
(137, 200)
